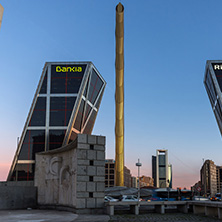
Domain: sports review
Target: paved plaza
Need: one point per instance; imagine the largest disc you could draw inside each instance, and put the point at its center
(62, 216)
(154, 217)
(48, 216)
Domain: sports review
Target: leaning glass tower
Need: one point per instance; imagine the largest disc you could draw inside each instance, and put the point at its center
(65, 104)
(213, 85)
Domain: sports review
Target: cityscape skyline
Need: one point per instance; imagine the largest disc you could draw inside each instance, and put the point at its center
(166, 106)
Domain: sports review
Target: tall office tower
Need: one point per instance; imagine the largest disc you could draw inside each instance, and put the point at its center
(208, 178)
(219, 179)
(154, 170)
(65, 104)
(213, 85)
(162, 172)
(170, 175)
(1, 14)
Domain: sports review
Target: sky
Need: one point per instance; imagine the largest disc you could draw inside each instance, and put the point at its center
(167, 44)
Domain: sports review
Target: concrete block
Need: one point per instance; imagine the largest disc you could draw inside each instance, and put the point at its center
(99, 147)
(81, 154)
(219, 212)
(99, 163)
(82, 178)
(99, 179)
(198, 209)
(182, 208)
(134, 209)
(91, 170)
(82, 138)
(80, 203)
(82, 195)
(160, 209)
(100, 186)
(83, 146)
(100, 171)
(41, 199)
(90, 203)
(211, 211)
(83, 211)
(110, 210)
(100, 155)
(91, 139)
(91, 186)
(99, 195)
(101, 140)
(81, 186)
(81, 170)
(83, 162)
(18, 197)
(91, 154)
(99, 202)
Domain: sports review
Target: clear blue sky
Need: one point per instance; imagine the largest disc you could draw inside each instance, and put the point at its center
(167, 44)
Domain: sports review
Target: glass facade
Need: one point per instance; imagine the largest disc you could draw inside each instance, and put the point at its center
(66, 103)
(213, 85)
(162, 173)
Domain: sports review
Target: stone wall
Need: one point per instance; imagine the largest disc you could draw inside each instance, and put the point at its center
(73, 176)
(17, 195)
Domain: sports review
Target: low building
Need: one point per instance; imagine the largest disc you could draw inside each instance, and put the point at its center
(110, 174)
(127, 177)
(134, 182)
(146, 181)
(196, 188)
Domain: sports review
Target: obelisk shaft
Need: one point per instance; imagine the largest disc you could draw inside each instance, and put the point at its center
(119, 96)
(1, 14)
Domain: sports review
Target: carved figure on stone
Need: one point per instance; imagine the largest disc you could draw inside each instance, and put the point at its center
(53, 166)
(65, 176)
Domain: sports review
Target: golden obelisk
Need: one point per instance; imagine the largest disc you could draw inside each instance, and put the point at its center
(119, 96)
(1, 14)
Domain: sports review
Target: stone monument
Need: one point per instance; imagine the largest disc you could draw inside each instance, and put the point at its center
(73, 176)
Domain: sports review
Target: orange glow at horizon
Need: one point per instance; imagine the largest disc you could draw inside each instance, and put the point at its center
(4, 169)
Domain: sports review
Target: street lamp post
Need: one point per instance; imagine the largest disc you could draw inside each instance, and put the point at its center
(138, 165)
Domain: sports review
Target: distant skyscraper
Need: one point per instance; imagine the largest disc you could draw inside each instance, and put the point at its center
(219, 179)
(213, 85)
(154, 170)
(1, 14)
(170, 175)
(65, 104)
(162, 170)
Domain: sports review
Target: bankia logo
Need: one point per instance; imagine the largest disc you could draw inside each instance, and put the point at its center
(68, 69)
(217, 66)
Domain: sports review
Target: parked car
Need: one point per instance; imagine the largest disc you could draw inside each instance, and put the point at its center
(108, 198)
(200, 198)
(128, 198)
(215, 198)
